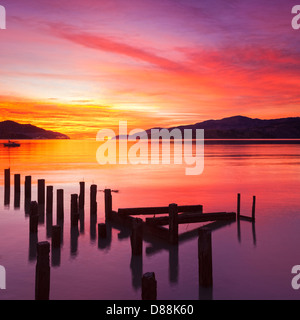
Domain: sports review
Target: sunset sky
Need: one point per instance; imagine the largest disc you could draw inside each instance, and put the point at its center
(82, 65)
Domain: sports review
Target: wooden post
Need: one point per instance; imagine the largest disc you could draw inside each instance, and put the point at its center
(56, 239)
(33, 217)
(74, 210)
(7, 179)
(17, 180)
(173, 223)
(42, 275)
(17, 184)
(49, 205)
(136, 237)
(102, 230)
(28, 187)
(238, 205)
(6, 187)
(108, 203)
(149, 286)
(205, 258)
(253, 208)
(93, 199)
(82, 195)
(41, 191)
(60, 204)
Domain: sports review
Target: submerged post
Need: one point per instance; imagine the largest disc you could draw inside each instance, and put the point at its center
(93, 199)
(56, 236)
(42, 275)
(60, 204)
(28, 187)
(82, 195)
(205, 258)
(173, 223)
(238, 205)
(7, 179)
(149, 286)
(41, 191)
(17, 184)
(102, 230)
(108, 203)
(74, 210)
(17, 180)
(253, 208)
(49, 200)
(136, 237)
(34, 217)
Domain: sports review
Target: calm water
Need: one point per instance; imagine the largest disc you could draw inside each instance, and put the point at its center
(249, 262)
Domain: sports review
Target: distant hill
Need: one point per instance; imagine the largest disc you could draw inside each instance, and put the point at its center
(14, 130)
(239, 127)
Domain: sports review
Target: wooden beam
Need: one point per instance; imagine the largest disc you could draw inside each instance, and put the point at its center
(192, 218)
(245, 218)
(159, 210)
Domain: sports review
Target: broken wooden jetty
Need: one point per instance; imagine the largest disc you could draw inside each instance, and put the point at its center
(173, 216)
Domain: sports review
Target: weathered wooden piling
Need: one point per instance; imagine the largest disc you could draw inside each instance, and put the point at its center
(82, 195)
(136, 237)
(253, 208)
(93, 199)
(7, 179)
(41, 191)
(56, 236)
(6, 187)
(17, 183)
(74, 210)
(49, 200)
(42, 276)
(28, 187)
(149, 286)
(205, 258)
(102, 230)
(33, 217)
(173, 223)
(238, 211)
(108, 203)
(60, 204)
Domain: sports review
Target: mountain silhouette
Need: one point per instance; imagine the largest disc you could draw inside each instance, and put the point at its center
(13, 130)
(240, 127)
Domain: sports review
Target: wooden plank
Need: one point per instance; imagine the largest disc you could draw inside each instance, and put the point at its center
(246, 218)
(159, 232)
(193, 218)
(159, 210)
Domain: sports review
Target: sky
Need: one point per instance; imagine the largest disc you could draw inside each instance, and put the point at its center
(83, 65)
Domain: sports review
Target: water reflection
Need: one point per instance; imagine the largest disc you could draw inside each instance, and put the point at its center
(55, 256)
(136, 267)
(74, 241)
(253, 230)
(33, 240)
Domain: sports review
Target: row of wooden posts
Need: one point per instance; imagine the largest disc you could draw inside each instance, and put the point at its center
(189, 214)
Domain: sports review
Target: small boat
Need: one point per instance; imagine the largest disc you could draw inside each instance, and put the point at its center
(12, 144)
